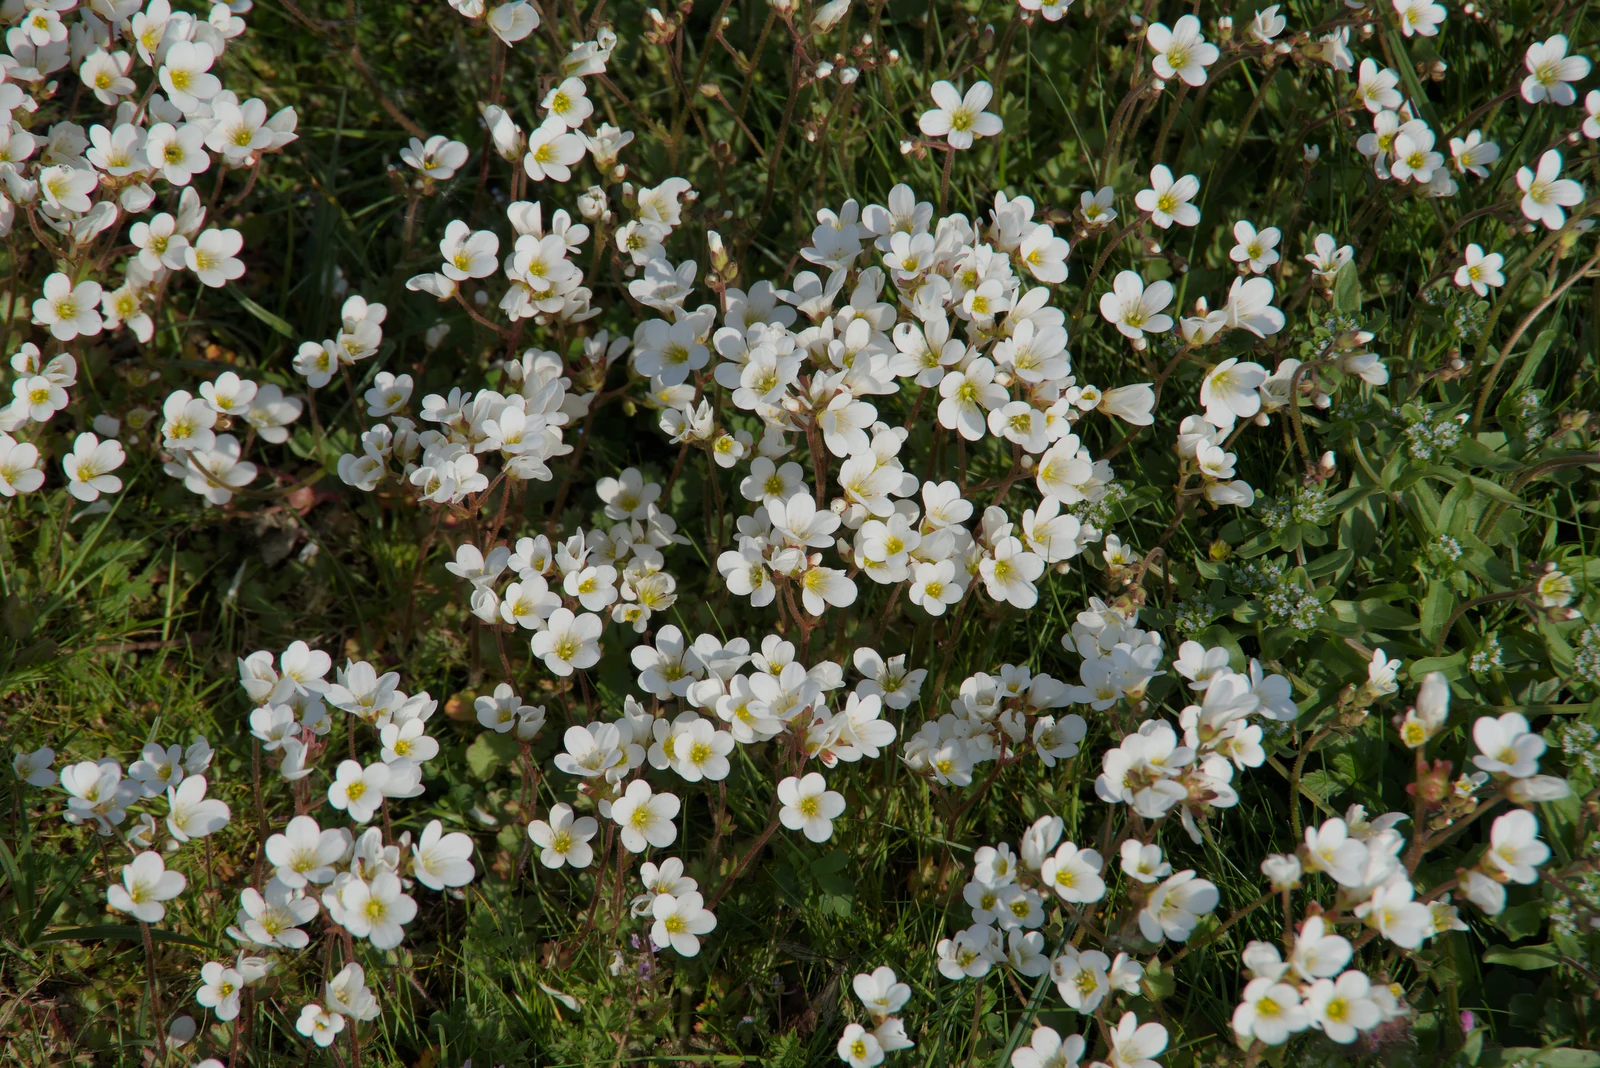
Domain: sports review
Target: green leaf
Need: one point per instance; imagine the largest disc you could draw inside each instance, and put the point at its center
(1521, 921)
(1453, 666)
(1555, 1057)
(1476, 453)
(1371, 612)
(126, 932)
(1531, 361)
(1325, 784)
(1158, 982)
(1437, 605)
(261, 313)
(1328, 563)
(1494, 489)
(1528, 958)
(1347, 289)
(491, 750)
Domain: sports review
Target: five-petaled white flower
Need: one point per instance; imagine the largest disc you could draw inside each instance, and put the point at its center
(959, 119)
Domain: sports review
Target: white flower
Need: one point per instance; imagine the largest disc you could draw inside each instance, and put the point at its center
(880, 992)
(1506, 746)
(377, 911)
(1267, 24)
(1039, 839)
(1419, 16)
(1009, 574)
(1181, 52)
(1544, 194)
(1258, 248)
(1472, 154)
(1330, 849)
(1174, 907)
(438, 157)
(1270, 1011)
(212, 258)
(1143, 862)
(513, 21)
(1481, 272)
(569, 103)
(859, 1048)
(680, 921)
(1096, 207)
(1167, 199)
(645, 818)
(347, 993)
(1318, 953)
(1081, 978)
(564, 840)
(190, 813)
(1342, 1008)
(273, 918)
(1486, 893)
(960, 119)
(568, 642)
(967, 395)
(1382, 671)
(1074, 874)
(441, 860)
(1375, 88)
(1136, 1045)
(37, 398)
(34, 768)
(69, 310)
(1392, 913)
(1229, 392)
(809, 806)
(553, 150)
(1550, 70)
(1282, 870)
(146, 883)
(1515, 851)
(1414, 157)
(184, 75)
(1134, 308)
(1047, 1049)
(1327, 256)
(970, 954)
(319, 1025)
(468, 254)
(358, 791)
(220, 990)
(305, 853)
(88, 467)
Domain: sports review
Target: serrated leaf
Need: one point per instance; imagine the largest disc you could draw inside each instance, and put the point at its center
(488, 752)
(1324, 784)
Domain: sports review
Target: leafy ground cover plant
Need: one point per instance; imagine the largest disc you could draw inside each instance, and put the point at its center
(622, 535)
